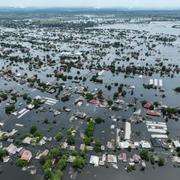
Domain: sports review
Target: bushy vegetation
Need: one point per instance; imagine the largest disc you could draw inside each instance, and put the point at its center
(35, 132)
(3, 153)
(177, 89)
(161, 161)
(59, 136)
(144, 154)
(9, 109)
(99, 120)
(79, 163)
(22, 163)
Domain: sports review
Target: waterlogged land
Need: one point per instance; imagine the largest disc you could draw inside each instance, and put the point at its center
(93, 94)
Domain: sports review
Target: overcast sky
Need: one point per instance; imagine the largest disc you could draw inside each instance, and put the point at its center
(92, 3)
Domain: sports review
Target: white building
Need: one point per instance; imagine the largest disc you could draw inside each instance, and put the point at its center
(94, 160)
(127, 134)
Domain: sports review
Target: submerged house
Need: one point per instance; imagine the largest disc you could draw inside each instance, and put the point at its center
(94, 160)
(147, 106)
(127, 134)
(25, 155)
(153, 113)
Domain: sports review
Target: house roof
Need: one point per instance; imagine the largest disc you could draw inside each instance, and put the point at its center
(26, 155)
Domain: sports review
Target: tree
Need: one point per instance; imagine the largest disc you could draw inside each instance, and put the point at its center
(48, 164)
(38, 134)
(87, 140)
(78, 163)
(177, 89)
(109, 87)
(59, 136)
(161, 161)
(57, 175)
(152, 159)
(89, 96)
(36, 103)
(46, 121)
(3, 153)
(90, 129)
(70, 139)
(99, 120)
(116, 94)
(25, 96)
(97, 146)
(42, 160)
(4, 96)
(144, 154)
(33, 129)
(21, 163)
(10, 108)
(100, 94)
(55, 153)
(48, 174)
(62, 163)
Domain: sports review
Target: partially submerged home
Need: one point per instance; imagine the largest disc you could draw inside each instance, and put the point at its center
(94, 160)
(127, 134)
(25, 155)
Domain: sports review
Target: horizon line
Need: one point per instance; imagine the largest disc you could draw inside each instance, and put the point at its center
(91, 7)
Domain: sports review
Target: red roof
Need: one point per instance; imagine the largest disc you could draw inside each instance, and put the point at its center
(153, 113)
(123, 157)
(93, 101)
(147, 105)
(26, 155)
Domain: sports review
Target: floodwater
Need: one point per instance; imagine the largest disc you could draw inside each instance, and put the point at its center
(165, 27)
(62, 122)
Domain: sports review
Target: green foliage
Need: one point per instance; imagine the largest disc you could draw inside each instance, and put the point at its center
(33, 129)
(115, 95)
(29, 100)
(10, 108)
(110, 102)
(130, 168)
(3, 96)
(59, 136)
(48, 173)
(99, 120)
(65, 98)
(21, 163)
(57, 175)
(54, 153)
(97, 146)
(25, 96)
(114, 108)
(169, 111)
(48, 164)
(46, 121)
(152, 159)
(70, 139)
(144, 154)
(87, 140)
(100, 94)
(37, 103)
(78, 163)
(90, 129)
(177, 89)
(161, 161)
(62, 163)
(42, 160)
(95, 79)
(35, 132)
(3, 153)
(89, 96)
